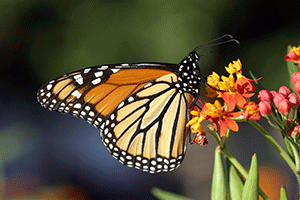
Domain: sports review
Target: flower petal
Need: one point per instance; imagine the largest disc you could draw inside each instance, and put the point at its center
(223, 128)
(231, 124)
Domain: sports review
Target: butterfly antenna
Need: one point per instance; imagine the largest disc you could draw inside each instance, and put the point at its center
(210, 43)
(212, 52)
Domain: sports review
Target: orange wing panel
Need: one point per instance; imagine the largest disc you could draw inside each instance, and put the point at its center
(131, 76)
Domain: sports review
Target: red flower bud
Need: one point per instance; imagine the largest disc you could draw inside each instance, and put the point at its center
(284, 106)
(273, 93)
(284, 90)
(278, 98)
(264, 95)
(294, 99)
(297, 87)
(265, 108)
(296, 77)
(295, 131)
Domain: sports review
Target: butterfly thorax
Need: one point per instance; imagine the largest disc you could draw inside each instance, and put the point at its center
(189, 74)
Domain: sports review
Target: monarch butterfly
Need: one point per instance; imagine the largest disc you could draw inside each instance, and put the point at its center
(141, 109)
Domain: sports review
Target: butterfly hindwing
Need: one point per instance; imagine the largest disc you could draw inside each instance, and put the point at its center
(147, 130)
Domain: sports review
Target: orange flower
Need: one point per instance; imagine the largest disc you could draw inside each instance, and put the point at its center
(252, 111)
(228, 83)
(233, 92)
(293, 55)
(243, 88)
(195, 122)
(221, 115)
(213, 81)
(235, 68)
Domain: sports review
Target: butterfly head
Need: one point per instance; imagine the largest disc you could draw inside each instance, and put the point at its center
(189, 73)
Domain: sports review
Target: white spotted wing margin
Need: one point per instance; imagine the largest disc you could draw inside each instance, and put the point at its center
(148, 129)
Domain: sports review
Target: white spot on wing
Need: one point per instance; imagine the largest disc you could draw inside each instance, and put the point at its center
(112, 117)
(49, 86)
(99, 73)
(96, 81)
(79, 81)
(121, 104)
(86, 70)
(148, 85)
(115, 70)
(130, 99)
(76, 94)
(103, 67)
(77, 105)
(77, 76)
(91, 113)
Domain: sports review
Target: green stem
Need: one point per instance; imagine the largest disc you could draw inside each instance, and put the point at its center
(226, 137)
(241, 169)
(278, 115)
(217, 138)
(276, 120)
(297, 158)
(273, 125)
(294, 115)
(284, 155)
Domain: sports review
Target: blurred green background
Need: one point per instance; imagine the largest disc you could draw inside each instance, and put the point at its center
(49, 155)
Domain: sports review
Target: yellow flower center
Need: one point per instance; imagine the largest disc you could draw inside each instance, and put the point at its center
(213, 80)
(251, 110)
(228, 83)
(214, 110)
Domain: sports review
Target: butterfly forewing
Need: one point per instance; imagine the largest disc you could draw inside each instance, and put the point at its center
(93, 93)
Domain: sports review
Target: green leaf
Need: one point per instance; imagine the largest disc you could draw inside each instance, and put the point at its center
(283, 195)
(251, 186)
(292, 68)
(219, 183)
(236, 182)
(165, 195)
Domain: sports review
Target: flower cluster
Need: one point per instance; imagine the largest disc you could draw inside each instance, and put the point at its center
(235, 90)
(283, 107)
(283, 101)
